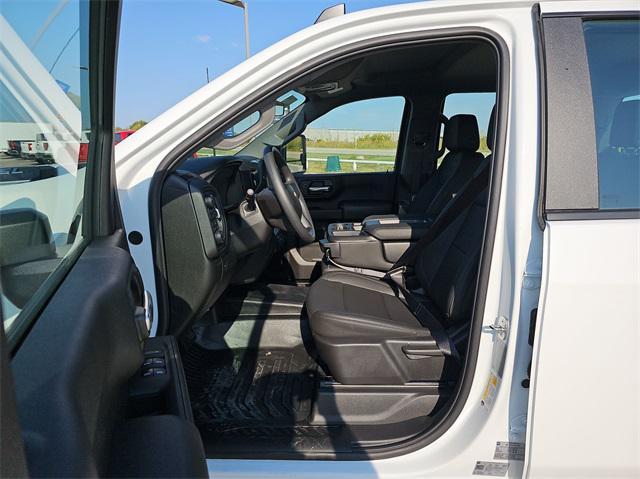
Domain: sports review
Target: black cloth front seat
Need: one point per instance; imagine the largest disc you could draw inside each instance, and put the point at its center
(462, 139)
(365, 333)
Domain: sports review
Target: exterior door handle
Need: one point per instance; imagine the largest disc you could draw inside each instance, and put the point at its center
(319, 189)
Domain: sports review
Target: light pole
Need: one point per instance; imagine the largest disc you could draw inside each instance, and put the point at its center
(245, 7)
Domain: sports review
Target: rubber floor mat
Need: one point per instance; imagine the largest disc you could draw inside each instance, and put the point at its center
(236, 390)
(257, 403)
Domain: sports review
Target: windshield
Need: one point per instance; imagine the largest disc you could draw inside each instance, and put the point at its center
(273, 126)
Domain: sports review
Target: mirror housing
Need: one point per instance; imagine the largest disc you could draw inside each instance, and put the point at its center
(331, 12)
(303, 153)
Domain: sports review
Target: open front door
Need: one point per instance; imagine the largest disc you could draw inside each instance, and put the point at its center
(74, 308)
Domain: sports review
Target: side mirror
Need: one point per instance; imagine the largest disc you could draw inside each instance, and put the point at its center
(303, 152)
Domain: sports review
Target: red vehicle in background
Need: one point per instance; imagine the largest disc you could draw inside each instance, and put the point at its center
(121, 135)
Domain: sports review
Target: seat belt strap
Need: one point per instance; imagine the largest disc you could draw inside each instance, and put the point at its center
(364, 271)
(395, 276)
(420, 141)
(430, 321)
(465, 198)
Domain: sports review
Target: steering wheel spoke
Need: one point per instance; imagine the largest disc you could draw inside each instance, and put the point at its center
(289, 196)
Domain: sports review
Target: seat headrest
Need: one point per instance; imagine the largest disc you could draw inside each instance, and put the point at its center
(461, 133)
(625, 128)
(491, 129)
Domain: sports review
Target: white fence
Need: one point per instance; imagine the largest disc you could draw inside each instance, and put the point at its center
(329, 134)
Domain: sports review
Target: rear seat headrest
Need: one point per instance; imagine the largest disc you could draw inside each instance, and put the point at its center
(491, 128)
(461, 133)
(625, 128)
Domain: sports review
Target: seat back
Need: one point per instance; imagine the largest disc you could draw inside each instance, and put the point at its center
(462, 139)
(447, 268)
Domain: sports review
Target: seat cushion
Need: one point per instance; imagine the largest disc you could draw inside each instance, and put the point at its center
(366, 335)
(348, 305)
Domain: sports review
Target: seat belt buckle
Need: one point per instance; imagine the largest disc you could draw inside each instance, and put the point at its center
(397, 275)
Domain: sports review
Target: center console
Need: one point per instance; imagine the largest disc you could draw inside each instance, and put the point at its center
(376, 243)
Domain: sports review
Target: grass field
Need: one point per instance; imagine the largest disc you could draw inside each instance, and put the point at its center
(360, 161)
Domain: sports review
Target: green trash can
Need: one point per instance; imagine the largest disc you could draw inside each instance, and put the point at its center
(333, 164)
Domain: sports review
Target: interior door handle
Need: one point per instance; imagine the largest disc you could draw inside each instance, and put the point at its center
(319, 189)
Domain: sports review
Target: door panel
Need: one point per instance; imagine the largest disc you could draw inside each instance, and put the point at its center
(78, 315)
(71, 372)
(347, 197)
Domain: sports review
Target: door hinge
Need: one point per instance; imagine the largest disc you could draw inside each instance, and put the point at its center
(501, 327)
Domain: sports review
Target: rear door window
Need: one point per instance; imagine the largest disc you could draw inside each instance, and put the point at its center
(613, 53)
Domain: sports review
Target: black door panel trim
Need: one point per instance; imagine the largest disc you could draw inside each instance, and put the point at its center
(348, 196)
(72, 369)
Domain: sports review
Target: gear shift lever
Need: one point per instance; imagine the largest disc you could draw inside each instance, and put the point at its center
(250, 198)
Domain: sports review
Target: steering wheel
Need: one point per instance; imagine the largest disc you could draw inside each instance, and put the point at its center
(289, 195)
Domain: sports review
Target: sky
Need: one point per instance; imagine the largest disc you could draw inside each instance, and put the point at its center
(386, 113)
(375, 114)
(166, 47)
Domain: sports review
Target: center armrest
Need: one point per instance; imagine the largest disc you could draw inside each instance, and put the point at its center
(373, 244)
(402, 230)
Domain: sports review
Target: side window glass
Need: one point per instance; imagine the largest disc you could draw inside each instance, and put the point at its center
(477, 104)
(44, 143)
(359, 137)
(613, 52)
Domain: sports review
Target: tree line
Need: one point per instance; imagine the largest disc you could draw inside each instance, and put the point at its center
(135, 126)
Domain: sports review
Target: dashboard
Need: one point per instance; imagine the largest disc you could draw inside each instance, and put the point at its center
(231, 176)
(211, 236)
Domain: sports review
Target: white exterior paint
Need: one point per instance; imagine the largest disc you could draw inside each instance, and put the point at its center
(585, 390)
(578, 348)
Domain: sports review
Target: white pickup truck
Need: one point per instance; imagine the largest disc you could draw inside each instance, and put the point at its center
(27, 149)
(472, 311)
(43, 150)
